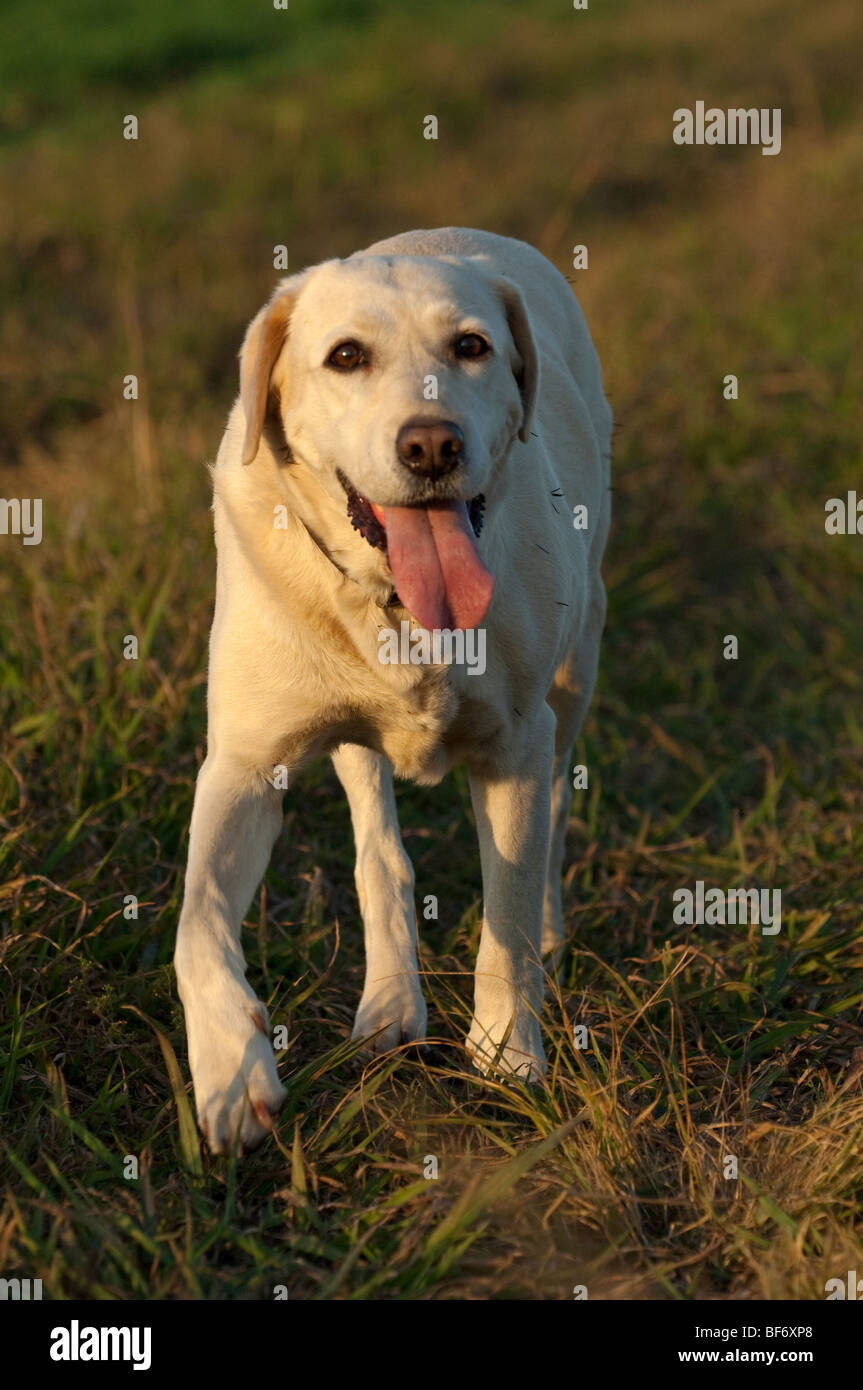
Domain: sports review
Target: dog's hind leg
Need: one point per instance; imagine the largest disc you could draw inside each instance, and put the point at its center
(553, 931)
(392, 999)
(570, 698)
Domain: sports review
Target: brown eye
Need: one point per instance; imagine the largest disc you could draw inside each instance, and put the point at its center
(471, 345)
(347, 356)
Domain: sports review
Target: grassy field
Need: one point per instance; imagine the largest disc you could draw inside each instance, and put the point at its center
(304, 127)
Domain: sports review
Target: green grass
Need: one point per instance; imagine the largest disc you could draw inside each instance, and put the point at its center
(150, 257)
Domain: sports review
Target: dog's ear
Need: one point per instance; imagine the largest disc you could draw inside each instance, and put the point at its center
(527, 374)
(264, 340)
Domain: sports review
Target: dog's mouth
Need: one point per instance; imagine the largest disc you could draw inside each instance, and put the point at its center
(431, 550)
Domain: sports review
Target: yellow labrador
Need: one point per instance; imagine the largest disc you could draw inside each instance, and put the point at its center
(419, 454)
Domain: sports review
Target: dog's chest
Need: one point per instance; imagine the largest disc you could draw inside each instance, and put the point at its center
(425, 731)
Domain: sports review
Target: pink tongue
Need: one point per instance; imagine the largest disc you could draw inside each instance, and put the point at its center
(439, 576)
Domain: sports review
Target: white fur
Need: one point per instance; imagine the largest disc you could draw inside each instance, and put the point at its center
(294, 670)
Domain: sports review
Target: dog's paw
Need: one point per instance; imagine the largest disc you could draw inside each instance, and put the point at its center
(521, 1056)
(394, 1004)
(237, 1086)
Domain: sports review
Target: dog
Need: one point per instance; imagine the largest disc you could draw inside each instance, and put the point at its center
(421, 443)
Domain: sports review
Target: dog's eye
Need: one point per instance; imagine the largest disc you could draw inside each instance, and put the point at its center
(346, 356)
(471, 345)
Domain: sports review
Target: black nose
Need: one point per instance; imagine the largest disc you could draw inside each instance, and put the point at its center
(430, 447)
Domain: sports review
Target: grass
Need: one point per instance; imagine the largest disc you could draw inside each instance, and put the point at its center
(150, 257)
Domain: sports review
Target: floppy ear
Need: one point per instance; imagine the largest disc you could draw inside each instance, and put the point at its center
(527, 375)
(264, 340)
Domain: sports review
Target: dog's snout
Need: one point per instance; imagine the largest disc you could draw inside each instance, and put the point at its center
(430, 447)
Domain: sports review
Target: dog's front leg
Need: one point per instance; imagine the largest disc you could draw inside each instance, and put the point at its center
(512, 814)
(236, 818)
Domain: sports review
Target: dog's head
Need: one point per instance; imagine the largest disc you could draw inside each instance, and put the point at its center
(401, 381)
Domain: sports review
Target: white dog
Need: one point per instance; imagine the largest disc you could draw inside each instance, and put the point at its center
(415, 429)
